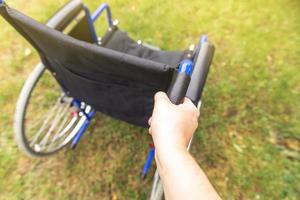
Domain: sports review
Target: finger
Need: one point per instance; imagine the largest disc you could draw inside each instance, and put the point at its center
(187, 100)
(190, 105)
(149, 121)
(149, 130)
(161, 97)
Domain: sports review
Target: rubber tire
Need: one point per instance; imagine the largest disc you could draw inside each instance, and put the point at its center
(20, 112)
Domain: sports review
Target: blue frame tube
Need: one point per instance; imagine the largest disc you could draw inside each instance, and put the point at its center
(1, 2)
(82, 128)
(148, 162)
(100, 10)
(91, 24)
(95, 16)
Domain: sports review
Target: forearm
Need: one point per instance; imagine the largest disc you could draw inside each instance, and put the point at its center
(182, 177)
(171, 127)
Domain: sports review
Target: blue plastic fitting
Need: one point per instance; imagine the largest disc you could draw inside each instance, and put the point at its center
(76, 103)
(186, 66)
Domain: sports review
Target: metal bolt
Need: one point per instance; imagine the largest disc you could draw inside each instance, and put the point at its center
(116, 22)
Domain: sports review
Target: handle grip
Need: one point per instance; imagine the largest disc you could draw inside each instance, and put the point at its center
(180, 82)
(200, 72)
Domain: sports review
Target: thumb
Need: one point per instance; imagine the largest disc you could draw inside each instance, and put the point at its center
(161, 97)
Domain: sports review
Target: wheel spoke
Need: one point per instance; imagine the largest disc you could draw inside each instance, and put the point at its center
(75, 130)
(43, 127)
(62, 110)
(68, 127)
(61, 130)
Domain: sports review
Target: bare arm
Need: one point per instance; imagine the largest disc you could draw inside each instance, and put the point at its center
(171, 127)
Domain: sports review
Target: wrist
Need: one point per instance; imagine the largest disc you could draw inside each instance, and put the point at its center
(171, 139)
(169, 159)
(165, 155)
(168, 147)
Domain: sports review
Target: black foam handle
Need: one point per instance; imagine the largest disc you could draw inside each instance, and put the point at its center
(178, 87)
(200, 72)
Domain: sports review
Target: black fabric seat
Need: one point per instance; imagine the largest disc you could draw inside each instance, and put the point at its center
(119, 80)
(122, 43)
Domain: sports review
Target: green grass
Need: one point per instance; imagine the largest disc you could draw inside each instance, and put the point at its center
(248, 140)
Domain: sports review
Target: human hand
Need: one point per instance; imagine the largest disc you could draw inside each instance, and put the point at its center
(172, 125)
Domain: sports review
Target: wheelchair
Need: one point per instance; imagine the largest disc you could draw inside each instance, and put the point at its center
(81, 74)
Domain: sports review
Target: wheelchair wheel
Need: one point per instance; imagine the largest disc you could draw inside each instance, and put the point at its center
(45, 119)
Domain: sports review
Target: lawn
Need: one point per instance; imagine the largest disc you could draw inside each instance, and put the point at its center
(248, 140)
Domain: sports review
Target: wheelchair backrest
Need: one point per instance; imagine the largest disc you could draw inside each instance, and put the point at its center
(84, 58)
(116, 83)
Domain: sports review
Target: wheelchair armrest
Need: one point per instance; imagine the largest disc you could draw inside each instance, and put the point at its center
(62, 18)
(200, 72)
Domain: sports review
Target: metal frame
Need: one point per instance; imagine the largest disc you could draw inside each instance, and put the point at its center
(100, 10)
(87, 113)
(91, 24)
(94, 17)
(63, 17)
